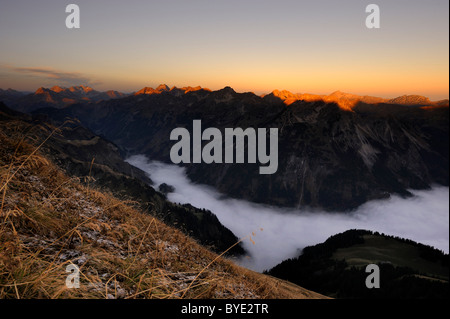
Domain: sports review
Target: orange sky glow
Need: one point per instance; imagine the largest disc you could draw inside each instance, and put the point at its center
(259, 46)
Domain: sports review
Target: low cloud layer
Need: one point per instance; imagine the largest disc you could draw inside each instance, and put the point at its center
(49, 74)
(423, 218)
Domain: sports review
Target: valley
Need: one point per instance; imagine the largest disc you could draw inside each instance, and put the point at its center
(279, 233)
(329, 158)
(374, 166)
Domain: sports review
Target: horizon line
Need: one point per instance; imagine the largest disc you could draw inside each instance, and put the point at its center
(199, 87)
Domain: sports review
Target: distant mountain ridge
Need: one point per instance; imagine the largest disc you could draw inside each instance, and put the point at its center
(10, 92)
(60, 97)
(348, 101)
(9, 96)
(174, 90)
(57, 97)
(344, 100)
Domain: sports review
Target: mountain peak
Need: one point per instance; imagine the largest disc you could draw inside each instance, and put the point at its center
(188, 89)
(411, 100)
(80, 89)
(340, 94)
(227, 89)
(224, 95)
(41, 90)
(149, 90)
(163, 87)
(86, 89)
(57, 89)
(283, 94)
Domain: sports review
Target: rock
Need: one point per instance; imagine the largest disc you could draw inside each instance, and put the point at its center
(121, 293)
(166, 189)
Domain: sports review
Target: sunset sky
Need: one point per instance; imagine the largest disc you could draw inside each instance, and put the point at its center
(251, 45)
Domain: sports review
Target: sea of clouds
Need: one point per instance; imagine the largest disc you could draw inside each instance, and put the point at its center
(280, 233)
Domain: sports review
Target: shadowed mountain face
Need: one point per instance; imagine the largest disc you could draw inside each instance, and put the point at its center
(9, 96)
(330, 156)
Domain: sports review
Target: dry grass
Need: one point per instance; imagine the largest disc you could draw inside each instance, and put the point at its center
(49, 221)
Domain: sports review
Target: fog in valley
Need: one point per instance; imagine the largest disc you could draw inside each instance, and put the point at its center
(280, 233)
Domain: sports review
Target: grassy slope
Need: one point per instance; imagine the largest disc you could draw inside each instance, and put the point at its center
(49, 220)
(336, 267)
(377, 249)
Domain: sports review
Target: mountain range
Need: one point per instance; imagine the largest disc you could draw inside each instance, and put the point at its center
(348, 101)
(60, 97)
(56, 96)
(336, 152)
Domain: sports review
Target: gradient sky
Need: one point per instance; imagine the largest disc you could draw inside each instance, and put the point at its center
(252, 45)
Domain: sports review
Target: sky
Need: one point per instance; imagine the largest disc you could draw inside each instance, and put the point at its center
(251, 45)
(281, 233)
